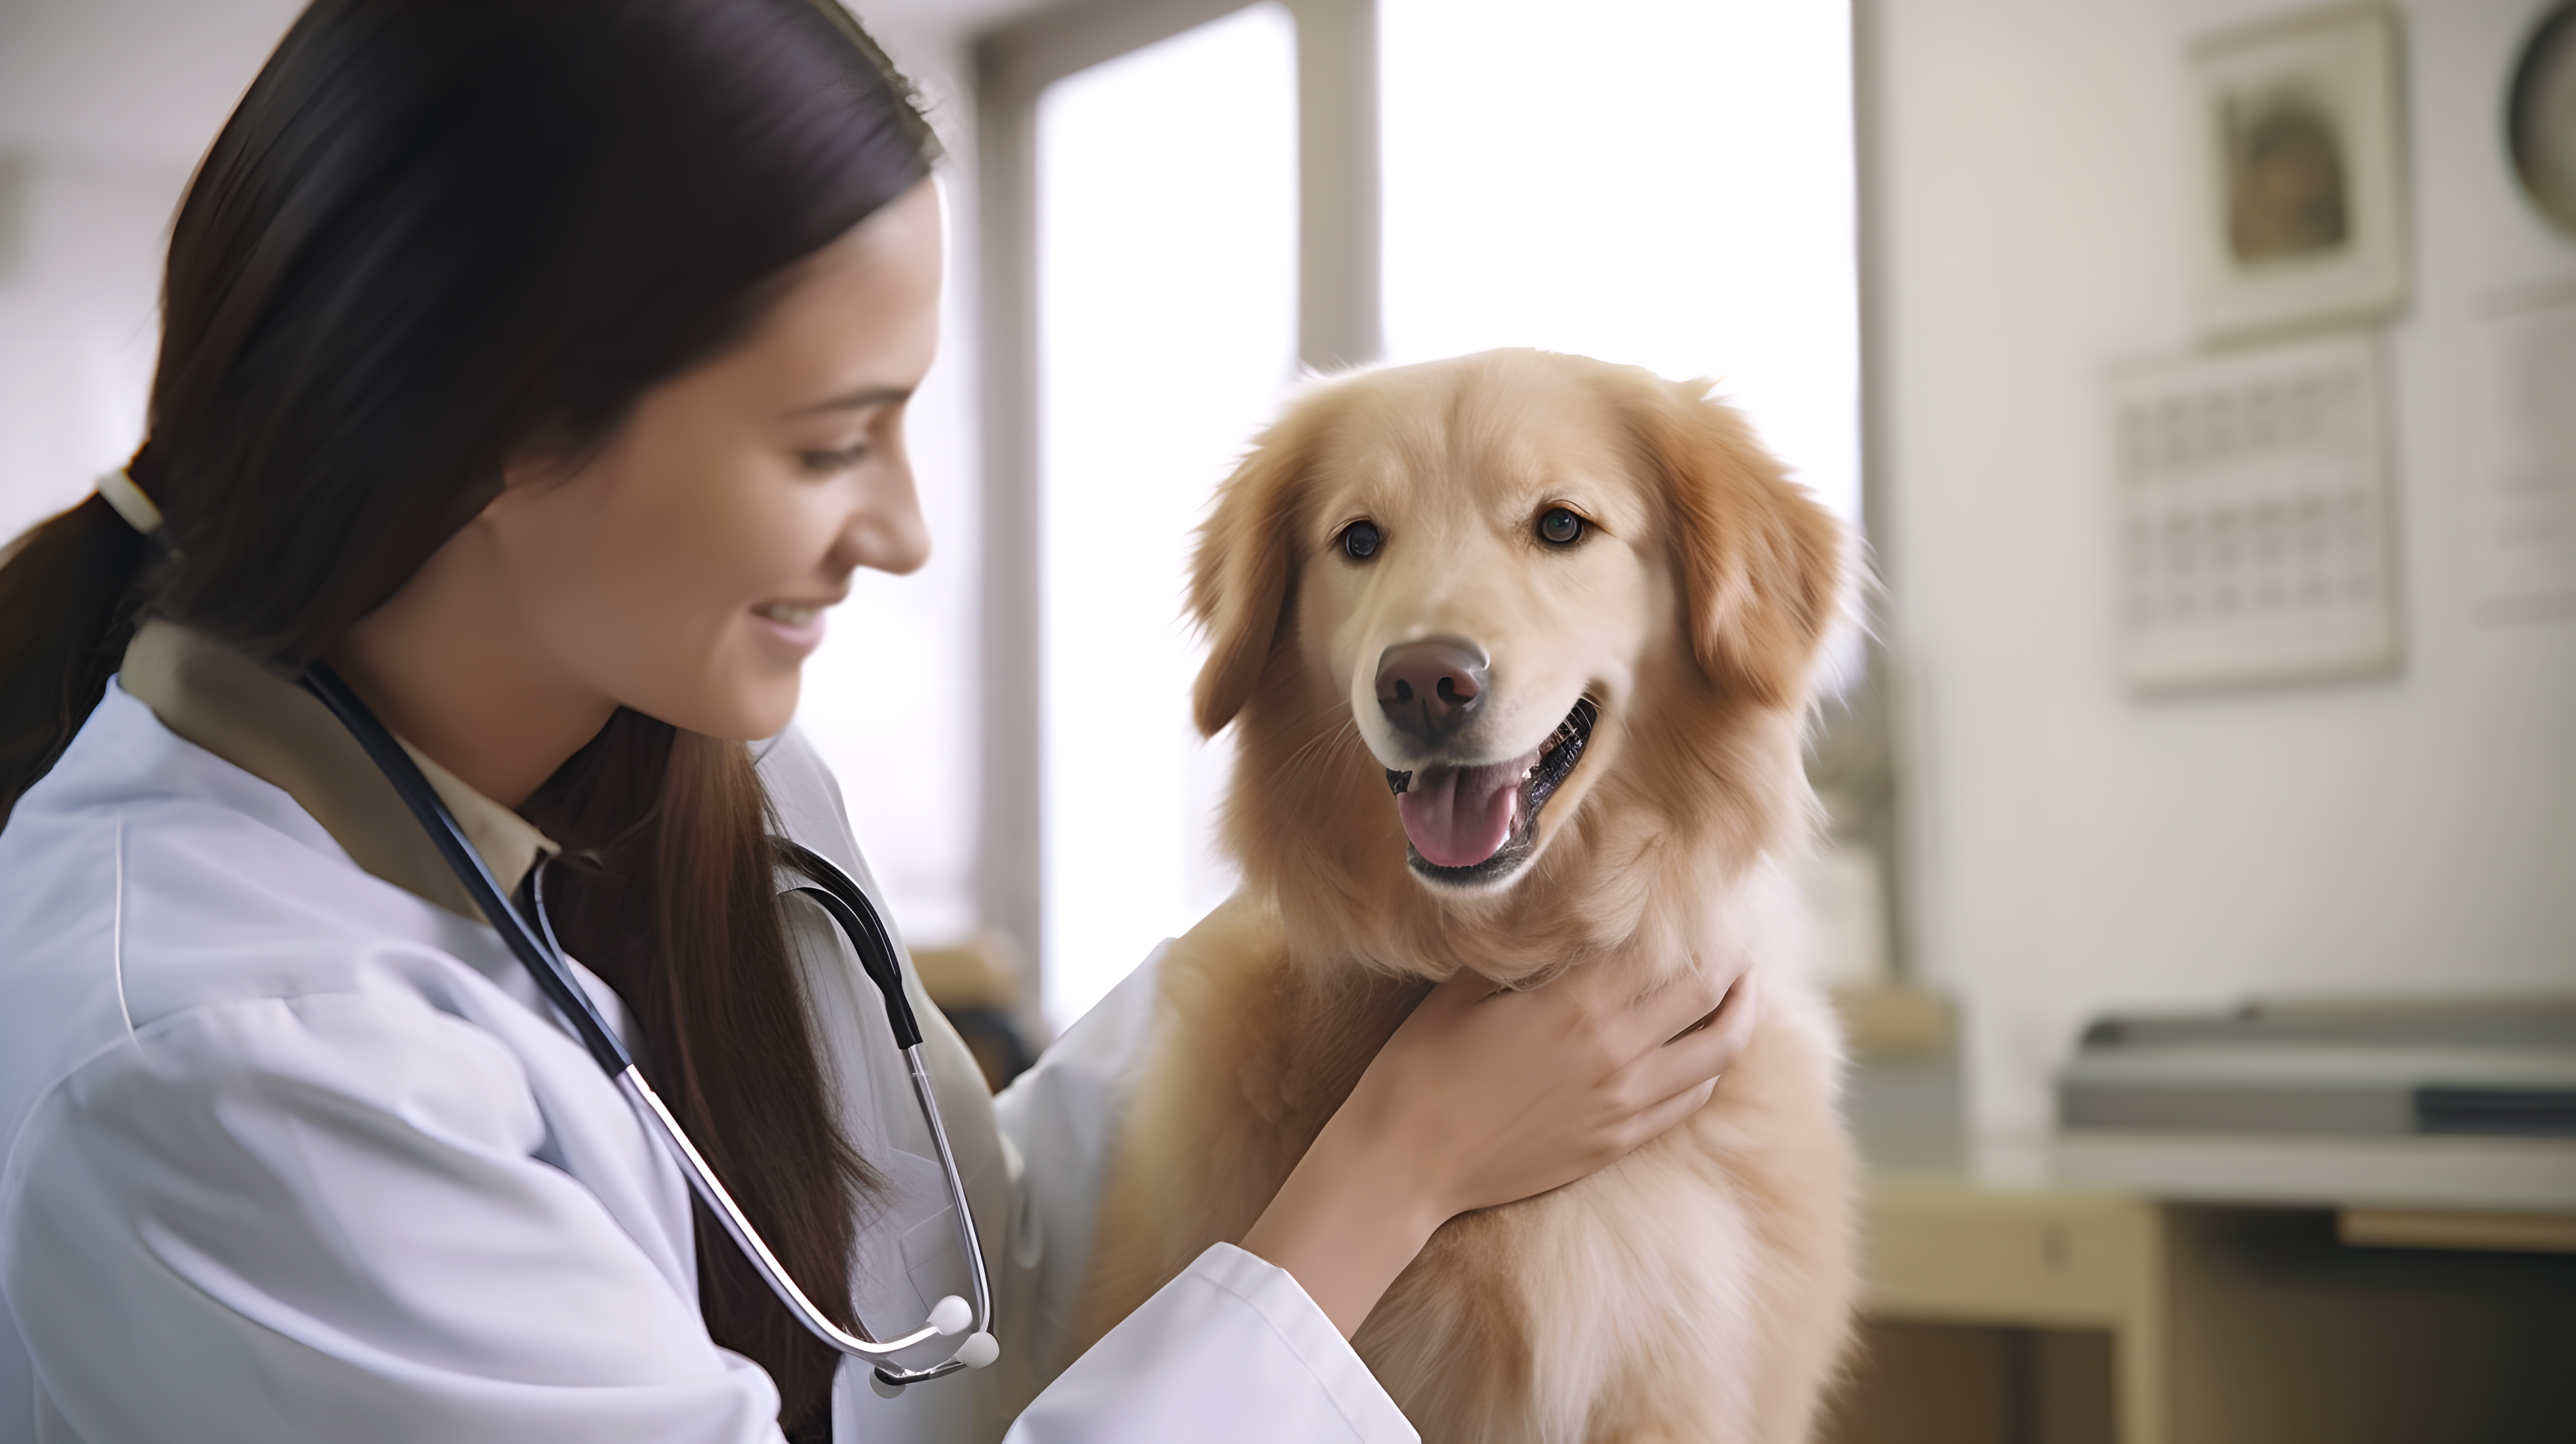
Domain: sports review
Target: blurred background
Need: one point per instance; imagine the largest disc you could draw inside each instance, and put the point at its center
(2202, 884)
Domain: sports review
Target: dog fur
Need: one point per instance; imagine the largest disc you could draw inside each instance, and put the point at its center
(1700, 1288)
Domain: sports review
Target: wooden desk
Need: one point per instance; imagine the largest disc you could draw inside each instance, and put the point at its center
(1947, 1251)
(2085, 1316)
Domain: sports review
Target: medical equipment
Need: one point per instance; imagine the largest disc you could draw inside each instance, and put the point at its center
(537, 950)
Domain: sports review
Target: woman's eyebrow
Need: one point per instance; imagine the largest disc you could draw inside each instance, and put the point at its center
(856, 401)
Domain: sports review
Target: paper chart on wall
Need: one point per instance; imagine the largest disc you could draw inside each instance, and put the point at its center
(2257, 534)
(2519, 406)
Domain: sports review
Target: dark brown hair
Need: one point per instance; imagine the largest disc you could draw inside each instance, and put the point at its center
(436, 234)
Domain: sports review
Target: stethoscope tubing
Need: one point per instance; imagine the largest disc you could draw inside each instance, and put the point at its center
(849, 907)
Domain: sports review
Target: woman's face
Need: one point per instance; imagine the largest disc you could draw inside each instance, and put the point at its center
(684, 570)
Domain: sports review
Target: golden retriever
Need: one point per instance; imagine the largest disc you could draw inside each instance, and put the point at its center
(1517, 648)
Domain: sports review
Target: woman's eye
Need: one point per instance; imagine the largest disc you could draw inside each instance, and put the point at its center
(1360, 540)
(1559, 527)
(822, 463)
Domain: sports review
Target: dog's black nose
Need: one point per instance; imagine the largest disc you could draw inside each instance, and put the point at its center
(1427, 689)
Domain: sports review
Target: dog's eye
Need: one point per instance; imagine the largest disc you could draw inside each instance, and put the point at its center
(1360, 540)
(1559, 527)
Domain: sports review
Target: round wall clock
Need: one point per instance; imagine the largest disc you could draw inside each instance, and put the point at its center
(2540, 119)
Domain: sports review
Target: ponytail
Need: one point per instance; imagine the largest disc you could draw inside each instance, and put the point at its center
(68, 592)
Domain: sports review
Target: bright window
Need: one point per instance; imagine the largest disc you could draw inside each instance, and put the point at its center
(1167, 183)
(1666, 183)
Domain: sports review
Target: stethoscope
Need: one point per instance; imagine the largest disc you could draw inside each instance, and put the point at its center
(544, 959)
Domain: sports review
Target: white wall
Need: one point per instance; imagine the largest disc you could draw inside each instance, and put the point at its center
(2077, 850)
(104, 107)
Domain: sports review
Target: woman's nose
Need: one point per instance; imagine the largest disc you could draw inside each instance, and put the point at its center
(888, 533)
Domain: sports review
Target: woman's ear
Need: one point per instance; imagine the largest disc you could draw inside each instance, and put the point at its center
(528, 471)
(1761, 561)
(1240, 572)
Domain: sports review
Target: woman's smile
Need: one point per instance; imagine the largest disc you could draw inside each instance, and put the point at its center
(794, 629)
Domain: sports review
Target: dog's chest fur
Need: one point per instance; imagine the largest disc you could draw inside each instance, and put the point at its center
(1646, 1302)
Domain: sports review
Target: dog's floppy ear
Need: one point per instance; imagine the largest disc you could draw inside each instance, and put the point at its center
(1240, 572)
(1761, 561)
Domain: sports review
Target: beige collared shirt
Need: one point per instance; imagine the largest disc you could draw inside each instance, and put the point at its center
(264, 724)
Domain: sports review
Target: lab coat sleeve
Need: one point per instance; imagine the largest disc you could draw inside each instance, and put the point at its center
(1232, 1349)
(330, 1217)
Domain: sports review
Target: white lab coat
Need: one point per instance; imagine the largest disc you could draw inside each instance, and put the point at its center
(287, 1152)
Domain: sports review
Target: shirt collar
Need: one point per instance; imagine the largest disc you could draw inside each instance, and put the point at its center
(261, 722)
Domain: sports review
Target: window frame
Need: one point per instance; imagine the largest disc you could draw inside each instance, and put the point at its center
(1338, 326)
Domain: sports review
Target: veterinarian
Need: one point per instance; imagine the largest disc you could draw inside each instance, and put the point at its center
(538, 372)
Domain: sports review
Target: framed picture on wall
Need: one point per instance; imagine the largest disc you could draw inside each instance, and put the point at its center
(2301, 217)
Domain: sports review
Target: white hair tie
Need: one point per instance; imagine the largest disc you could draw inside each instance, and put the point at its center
(130, 502)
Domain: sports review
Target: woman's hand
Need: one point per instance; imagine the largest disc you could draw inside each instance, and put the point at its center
(1483, 1097)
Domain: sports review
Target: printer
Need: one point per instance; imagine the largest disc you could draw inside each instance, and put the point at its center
(2412, 1103)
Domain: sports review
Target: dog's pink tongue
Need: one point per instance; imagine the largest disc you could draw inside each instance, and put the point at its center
(1459, 816)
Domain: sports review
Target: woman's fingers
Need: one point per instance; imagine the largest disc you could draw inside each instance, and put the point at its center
(1654, 1122)
(1732, 1025)
(1699, 1056)
(1683, 1075)
(1460, 989)
(1633, 1025)
(1691, 999)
